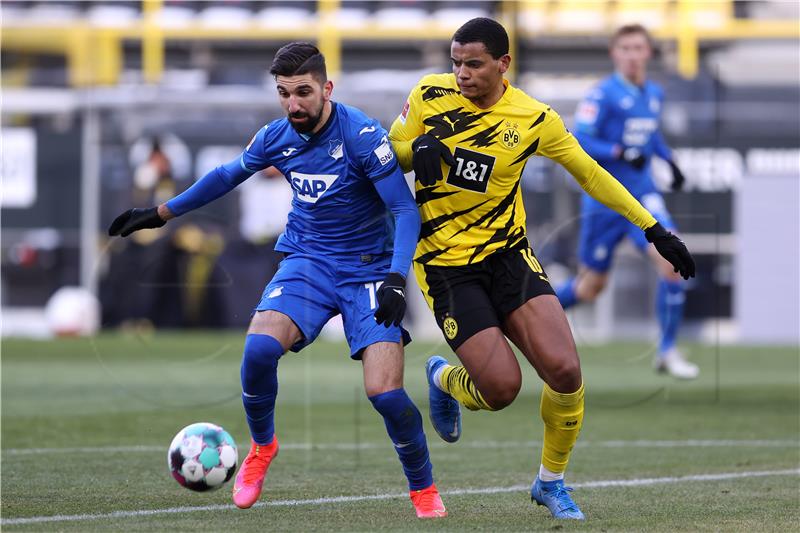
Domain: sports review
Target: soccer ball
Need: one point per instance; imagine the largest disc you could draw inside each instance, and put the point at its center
(72, 312)
(202, 456)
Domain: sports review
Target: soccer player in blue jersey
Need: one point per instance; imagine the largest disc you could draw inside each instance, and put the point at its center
(618, 125)
(341, 258)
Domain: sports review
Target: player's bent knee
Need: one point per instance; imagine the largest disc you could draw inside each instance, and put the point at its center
(565, 377)
(374, 389)
(502, 393)
(276, 325)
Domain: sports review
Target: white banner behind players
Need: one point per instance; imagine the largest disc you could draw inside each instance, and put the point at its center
(721, 169)
(18, 172)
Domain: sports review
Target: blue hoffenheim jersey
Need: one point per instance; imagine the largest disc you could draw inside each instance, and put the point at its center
(336, 209)
(617, 112)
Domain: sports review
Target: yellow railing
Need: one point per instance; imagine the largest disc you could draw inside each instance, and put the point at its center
(95, 55)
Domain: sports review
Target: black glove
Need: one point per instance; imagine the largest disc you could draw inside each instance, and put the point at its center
(426, 159)
(672, 249)
(134, 220)
(677, 177)
(633, 156)
(391, 300)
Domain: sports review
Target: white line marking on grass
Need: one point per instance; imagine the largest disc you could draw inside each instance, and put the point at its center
(372, 497)
(87, 449)
(345, 446)
(692, 443)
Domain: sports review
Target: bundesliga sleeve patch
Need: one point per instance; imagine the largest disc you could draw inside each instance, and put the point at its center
(404, 114)
(384, 152)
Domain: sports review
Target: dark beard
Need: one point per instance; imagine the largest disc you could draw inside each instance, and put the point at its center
(307, 126)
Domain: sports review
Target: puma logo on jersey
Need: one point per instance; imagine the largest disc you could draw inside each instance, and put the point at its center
(289, 151)
(367, 129)
(310, 187)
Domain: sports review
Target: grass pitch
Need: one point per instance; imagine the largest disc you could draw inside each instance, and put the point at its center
(86, 425)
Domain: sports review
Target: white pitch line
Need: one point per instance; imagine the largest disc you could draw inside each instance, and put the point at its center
(346, 446)
(371, 497)
(86, 449)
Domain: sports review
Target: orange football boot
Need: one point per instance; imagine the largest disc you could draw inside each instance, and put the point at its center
(250, 478)
(428, 503)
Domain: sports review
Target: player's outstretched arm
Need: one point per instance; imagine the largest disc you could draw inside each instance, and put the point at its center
(672, 249)
(391, 295)
(599, 149)
(136, 219)
(558, 144)
(216, 183)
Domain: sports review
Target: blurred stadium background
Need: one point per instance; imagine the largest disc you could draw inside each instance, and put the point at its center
(107, 105)
(110, 104)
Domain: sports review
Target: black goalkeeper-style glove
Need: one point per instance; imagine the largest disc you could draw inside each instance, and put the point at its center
(428, 151)
(677, 176)
(134, 220)
(672, 249)
(391, 300)
(633, 156)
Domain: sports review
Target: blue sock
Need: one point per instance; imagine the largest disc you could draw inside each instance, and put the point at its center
(404, 425)
(260, 385)
(669, 308)
(566, 293)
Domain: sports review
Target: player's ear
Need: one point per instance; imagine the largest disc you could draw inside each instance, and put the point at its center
(504, 61)
(327, 90)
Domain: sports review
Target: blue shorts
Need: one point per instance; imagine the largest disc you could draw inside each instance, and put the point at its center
(311, 290)
(603, 229)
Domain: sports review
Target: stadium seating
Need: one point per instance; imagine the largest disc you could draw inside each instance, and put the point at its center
(348, 28)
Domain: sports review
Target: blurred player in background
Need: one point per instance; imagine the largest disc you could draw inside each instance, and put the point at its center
(617, 124)
(473, 261)
(341, 258)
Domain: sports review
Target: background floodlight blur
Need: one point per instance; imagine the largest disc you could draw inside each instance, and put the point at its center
(109, 104)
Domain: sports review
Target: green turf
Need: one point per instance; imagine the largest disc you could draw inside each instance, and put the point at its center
(139, 391)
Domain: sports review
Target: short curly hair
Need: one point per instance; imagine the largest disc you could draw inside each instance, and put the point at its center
(487, 31)
(299, 58)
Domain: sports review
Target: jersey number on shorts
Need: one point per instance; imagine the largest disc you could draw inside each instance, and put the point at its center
(471, 171)
(531, 260)
(373, 289)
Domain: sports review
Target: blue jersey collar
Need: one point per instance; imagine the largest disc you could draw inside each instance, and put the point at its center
(306, 137)
(630, 87)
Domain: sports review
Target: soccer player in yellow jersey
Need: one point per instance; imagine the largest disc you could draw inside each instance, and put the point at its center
(467, 135)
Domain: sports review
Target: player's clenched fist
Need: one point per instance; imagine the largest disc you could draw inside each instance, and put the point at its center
(428, 152)
(391, 297)
(672, 249)
(134, 220)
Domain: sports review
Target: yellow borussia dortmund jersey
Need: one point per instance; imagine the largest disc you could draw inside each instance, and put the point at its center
(477, 209)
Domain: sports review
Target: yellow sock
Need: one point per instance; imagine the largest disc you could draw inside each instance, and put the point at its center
(457, 383)
(563, 418)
